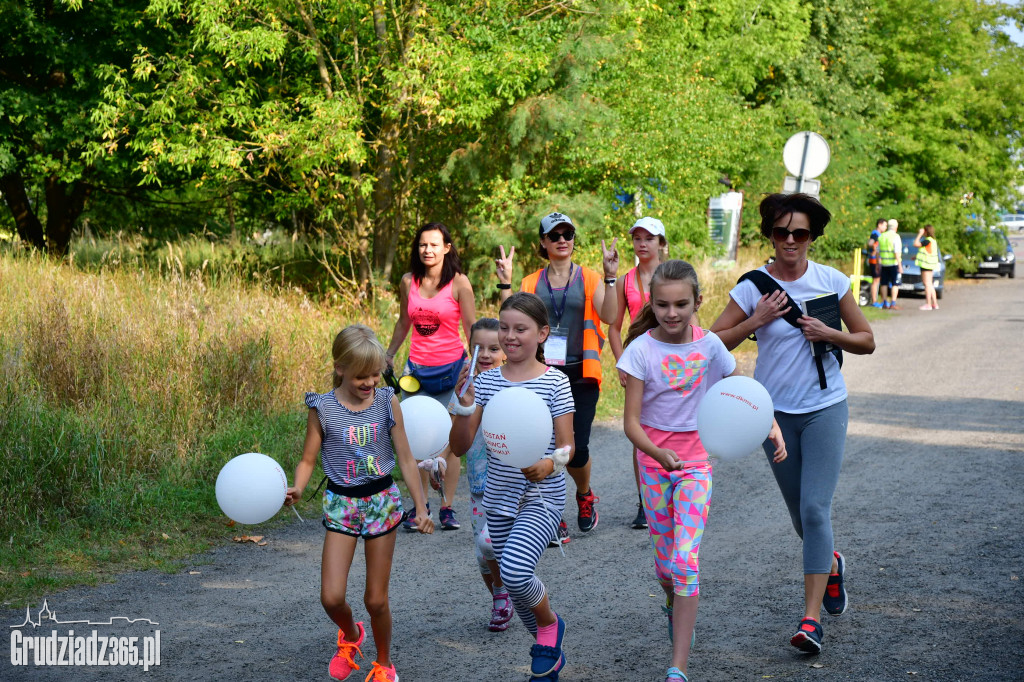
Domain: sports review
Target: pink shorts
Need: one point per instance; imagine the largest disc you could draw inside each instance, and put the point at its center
(686, 445)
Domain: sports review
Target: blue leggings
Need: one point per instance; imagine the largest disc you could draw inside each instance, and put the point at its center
(518, 545)
(809, 475)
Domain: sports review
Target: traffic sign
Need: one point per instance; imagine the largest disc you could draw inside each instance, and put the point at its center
(806, 155)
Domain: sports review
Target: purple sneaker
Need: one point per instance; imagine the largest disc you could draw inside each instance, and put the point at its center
(501, 613)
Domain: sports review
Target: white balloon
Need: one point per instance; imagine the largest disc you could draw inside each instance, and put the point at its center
(251, 488)
(427, 425)
(517, 426)
(734, 417)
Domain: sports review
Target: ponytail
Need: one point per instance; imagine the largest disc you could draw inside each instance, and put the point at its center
(644, 322)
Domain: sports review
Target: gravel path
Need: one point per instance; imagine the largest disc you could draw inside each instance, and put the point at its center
(928, 514)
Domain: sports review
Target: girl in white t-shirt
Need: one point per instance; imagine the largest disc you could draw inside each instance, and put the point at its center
(670, 364)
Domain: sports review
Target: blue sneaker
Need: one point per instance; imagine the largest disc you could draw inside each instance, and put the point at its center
(808, 638)
(553, 675)
(667, 610)
(676, 674)
(447, 518)
(410, 519)
(876, 305)
(835, 600)
(548, 659)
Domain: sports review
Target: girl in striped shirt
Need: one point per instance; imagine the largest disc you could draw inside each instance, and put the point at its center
(357, 430)
(524, 506)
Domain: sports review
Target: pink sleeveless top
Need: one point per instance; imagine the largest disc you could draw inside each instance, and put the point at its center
(435, 327)
(634, 302)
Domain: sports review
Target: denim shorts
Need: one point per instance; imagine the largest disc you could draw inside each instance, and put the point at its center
(365, 517)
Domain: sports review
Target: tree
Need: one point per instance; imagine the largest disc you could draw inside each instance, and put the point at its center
(327, 106)
(49, 62)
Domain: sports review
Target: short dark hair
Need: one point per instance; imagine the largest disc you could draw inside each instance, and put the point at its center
(881, 221)
(774, 206)
(452, 265)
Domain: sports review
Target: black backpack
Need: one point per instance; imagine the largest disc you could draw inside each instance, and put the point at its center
(766, 285)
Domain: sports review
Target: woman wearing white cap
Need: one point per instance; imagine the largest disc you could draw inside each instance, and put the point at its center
(578, 302)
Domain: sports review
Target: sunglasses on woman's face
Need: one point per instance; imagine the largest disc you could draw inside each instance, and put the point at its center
(799, 236)
(567, 235)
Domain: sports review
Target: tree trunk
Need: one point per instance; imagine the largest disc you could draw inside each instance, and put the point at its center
(64, 203)
(362, 226)
(29, 228)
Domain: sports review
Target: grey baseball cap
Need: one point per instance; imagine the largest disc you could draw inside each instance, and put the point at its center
(553, 220)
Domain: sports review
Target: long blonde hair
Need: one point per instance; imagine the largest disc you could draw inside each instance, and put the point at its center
(357, 349)
(669, 271)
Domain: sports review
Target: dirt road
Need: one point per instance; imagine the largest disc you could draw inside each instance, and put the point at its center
(928, 514)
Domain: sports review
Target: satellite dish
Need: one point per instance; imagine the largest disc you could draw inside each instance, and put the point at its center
(806, 155)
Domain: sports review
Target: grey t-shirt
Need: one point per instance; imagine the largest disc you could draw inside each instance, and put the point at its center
(570, 324)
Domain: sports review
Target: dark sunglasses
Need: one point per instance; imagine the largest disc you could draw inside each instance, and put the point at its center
(567, 235)
(799, 236)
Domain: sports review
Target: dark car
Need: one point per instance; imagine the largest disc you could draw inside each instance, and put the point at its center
(998, 258)
(992, 252)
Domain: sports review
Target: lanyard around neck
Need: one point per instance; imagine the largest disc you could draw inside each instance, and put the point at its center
(565, 292)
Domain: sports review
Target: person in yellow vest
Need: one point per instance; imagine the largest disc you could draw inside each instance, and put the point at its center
(928, 260)
(890, 255)
(578, 301)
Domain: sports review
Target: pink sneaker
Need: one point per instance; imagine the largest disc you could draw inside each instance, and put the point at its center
(344, 662)
(925, 307)
(501, 613)
(379, 673)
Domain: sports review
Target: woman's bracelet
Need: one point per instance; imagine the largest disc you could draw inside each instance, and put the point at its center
(502, 285)
(460, 410)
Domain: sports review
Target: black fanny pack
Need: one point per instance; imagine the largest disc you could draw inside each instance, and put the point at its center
(434, 380)
(767, 285)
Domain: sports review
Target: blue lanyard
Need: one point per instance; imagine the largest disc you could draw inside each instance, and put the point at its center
(565, 292)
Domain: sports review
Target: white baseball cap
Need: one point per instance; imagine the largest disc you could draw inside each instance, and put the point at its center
(553, 220)
(652, 225)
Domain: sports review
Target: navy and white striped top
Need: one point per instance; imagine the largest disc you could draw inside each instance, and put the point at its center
(506, 486)
(356, 446)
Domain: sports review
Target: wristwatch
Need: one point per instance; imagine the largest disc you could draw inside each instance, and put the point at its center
(610, 280)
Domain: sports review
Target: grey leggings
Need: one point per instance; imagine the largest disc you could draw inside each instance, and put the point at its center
(809, 475)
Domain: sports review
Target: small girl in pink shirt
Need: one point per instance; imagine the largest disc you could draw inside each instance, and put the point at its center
(670, 364)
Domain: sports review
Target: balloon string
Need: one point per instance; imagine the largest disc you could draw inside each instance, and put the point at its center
(297, 513)
(561, 547)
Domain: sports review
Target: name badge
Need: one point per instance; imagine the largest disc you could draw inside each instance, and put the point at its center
(555, 349)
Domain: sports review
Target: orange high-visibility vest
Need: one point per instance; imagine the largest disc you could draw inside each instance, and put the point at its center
(593, 336)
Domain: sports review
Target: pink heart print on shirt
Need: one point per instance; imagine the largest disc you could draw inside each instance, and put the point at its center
(683, 375)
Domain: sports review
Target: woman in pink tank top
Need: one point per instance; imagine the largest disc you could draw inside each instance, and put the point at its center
(633, 291)
(435, 299)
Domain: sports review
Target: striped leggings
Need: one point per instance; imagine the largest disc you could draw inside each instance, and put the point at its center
(518, 544)
(676, 506)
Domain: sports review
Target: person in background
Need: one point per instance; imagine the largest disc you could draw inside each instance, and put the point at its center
(890, 256)
(873, 262)
(435, 299)
(928, 260)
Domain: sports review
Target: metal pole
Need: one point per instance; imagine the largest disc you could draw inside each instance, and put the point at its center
(803, 163)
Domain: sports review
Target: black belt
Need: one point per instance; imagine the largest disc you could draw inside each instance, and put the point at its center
(363, 490)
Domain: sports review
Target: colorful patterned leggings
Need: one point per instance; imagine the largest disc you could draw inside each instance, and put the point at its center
(676, 506)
